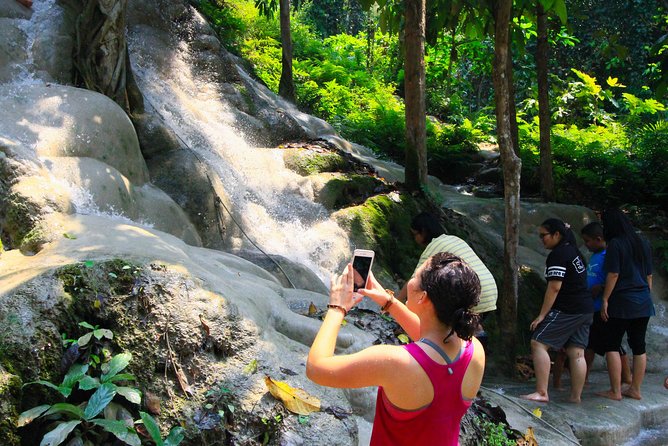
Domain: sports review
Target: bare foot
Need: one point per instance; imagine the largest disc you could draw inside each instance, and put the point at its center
(610, 395)
(630, 393)
(536, 396)
(26, 3)
(574, 400)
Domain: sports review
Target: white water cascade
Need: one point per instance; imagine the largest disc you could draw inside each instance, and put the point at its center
(273, 204)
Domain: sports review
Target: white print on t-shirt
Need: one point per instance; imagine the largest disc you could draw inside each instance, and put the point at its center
(579, 265)
(555, 271)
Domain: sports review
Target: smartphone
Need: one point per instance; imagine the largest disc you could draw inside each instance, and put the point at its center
(362, 261)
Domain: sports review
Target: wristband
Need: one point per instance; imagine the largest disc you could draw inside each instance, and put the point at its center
(340, 307)
(385, 309)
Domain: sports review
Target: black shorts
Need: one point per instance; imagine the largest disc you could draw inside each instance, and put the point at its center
(635, 330)
(560, 329)
(598, 334)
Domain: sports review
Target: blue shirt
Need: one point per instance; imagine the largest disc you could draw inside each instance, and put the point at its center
(596, 276)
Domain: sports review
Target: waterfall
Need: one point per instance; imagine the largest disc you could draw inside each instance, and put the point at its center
(273, 205)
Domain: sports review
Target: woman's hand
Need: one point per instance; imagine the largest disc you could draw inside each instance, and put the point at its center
(536, 321)
(604, 311)
(341, 293)
(375, 291)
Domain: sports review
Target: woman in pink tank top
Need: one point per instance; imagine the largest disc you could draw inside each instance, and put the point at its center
(424, 388)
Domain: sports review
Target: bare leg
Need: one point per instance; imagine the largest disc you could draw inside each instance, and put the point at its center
(541, 366)
(627, 378)
(639, 366)
(578, 367)
(558, 369)
(615, 375)
(589, 359)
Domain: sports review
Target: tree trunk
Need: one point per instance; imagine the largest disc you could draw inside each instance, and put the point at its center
(101, 54)
(286, 86)
(414, 85)
(546, 180)
(511, 180)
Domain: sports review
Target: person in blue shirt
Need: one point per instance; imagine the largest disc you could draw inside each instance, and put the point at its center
(627, 302)
(592, 235)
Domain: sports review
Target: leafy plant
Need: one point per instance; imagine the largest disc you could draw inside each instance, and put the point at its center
(494, 434)
(95, 415)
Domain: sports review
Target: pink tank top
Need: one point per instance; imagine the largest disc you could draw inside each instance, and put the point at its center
(437, 423)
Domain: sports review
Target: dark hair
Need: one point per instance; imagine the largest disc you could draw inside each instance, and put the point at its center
(593, 230)
(428, 225)
(554, 225)
(617, 224)
(453, 288)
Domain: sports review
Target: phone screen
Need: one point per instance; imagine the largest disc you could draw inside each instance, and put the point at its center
(361, 265)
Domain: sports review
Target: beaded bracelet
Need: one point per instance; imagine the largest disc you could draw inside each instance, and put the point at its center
(340, 307)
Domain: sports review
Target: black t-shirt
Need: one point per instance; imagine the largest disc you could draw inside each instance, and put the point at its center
(565, 264)
(631, 297)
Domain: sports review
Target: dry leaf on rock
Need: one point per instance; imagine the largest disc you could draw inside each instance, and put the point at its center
(205, 326)
(295, 400)
(312, 309)
(529, 439)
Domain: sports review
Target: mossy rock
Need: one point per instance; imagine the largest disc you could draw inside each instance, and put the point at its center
(19, 218)
(10, 400)
(382, 223)
(33, 241)
(337, 190)
(306, 161)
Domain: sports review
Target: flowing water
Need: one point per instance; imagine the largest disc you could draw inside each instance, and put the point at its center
(273, 204)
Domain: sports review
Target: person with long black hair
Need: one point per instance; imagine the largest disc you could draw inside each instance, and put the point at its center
(566, 313)
(627, 301)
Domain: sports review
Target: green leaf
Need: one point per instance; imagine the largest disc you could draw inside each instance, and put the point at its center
(112, 275)
(559, 8)
(152, 428)
(89, 263)
(175, 436)
(29, 415)
(103, 333)
(119, 430)
(117, 363)
(69, 236)
(47, 384)
(67, 408)
(99, 400)
(130, 394)
(74, 374)
(403, 338)
(85, 339)
(251, 367)
(85, 324)
(122, 377)
(303, 419)
(59, 434)
(88, 383)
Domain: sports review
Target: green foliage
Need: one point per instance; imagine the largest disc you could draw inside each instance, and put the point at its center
(226, 19)
(494, 434)
(92, 417)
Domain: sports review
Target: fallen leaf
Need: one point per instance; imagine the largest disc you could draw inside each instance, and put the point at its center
(205, 326)
(403, 338)
(537, 412)
(152, 402)
(312, 309)
(69, 236)
(530, 438)
(295, 400)
(251, 367)
(183, 380)
(288, 371)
